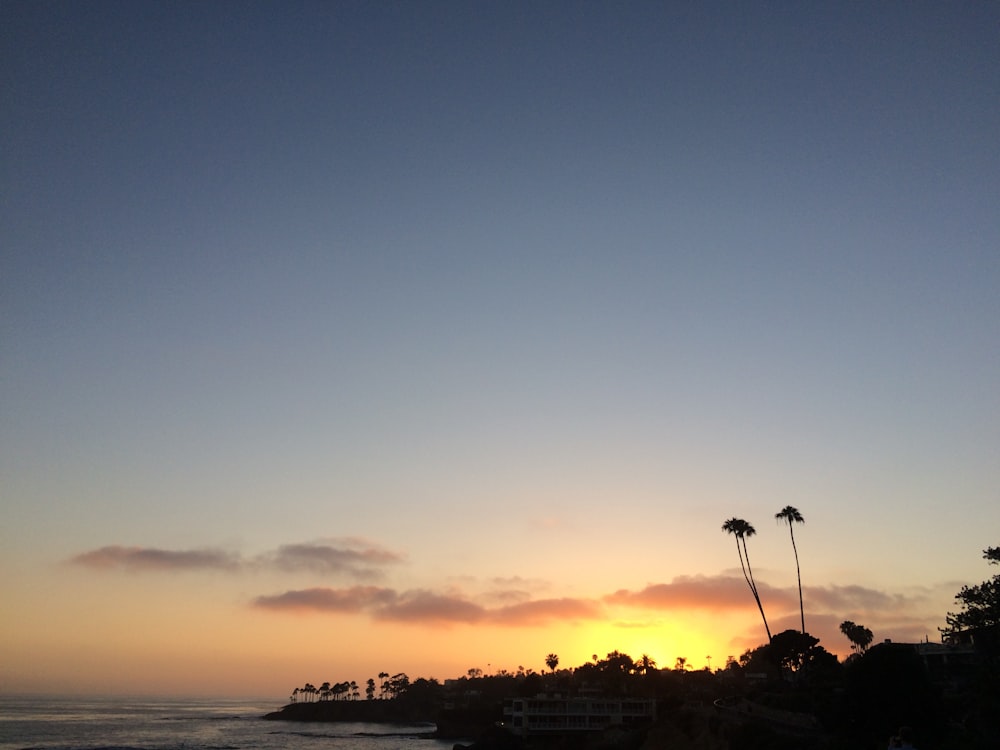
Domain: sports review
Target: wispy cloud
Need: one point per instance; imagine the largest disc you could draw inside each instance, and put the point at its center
(905, 616)
(730, 592)
(429, 607)
(351, 558)
(509, 602)
(700, 592)
(150, 558)
(349, 600)
(514, 590)
(340, 556)
(849, 598)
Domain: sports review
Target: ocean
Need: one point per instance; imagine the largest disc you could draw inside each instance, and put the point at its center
(46, 723)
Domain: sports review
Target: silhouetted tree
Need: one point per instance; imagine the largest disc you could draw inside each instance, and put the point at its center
(614, 671)
(645, 665)
(370, 689)
(552, 661)
(980, 603)
(741, 530)
(791, 516)
(859, 636)
(398, 684)
(799, 652)
(383, 684)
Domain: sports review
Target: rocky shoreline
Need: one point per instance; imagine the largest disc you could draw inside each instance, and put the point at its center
(452, 724)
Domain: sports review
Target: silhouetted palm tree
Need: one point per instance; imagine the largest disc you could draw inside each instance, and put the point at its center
(552, 661)
(790, 515)
(859, 636)
(741, 530)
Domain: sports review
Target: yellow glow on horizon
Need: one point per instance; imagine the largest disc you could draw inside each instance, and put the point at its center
(662, 642)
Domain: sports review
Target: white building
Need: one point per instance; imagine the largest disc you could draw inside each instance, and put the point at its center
(558, 715)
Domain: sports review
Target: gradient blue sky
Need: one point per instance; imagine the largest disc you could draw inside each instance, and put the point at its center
(527, 298)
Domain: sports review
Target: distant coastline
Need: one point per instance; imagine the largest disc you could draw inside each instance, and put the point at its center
(383, 712)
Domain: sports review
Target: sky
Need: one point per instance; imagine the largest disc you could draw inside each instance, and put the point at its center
(348, 337)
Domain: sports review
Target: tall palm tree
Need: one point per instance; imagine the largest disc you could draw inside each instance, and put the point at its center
(552, 661)
(741, 530)
(383, 683)
(790, 515)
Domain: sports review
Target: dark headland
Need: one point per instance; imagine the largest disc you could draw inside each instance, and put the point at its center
(443, 723)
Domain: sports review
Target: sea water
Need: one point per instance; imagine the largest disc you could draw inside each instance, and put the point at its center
(47, 723)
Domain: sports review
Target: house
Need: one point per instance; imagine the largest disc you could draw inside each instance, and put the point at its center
(950, 665)
(556, 714)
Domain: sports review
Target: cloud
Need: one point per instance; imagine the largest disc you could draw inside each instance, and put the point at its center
(509, 596)
(347, 557)
(380, 603)
(148, 558)
(908, 615)
(429, 607)
(701, 592)
(724, 592)
(350, 600)
(844, 598)
(512, 590)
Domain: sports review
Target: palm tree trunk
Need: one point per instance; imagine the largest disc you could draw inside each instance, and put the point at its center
(743, 566)
(753, 588)
(802, 611)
